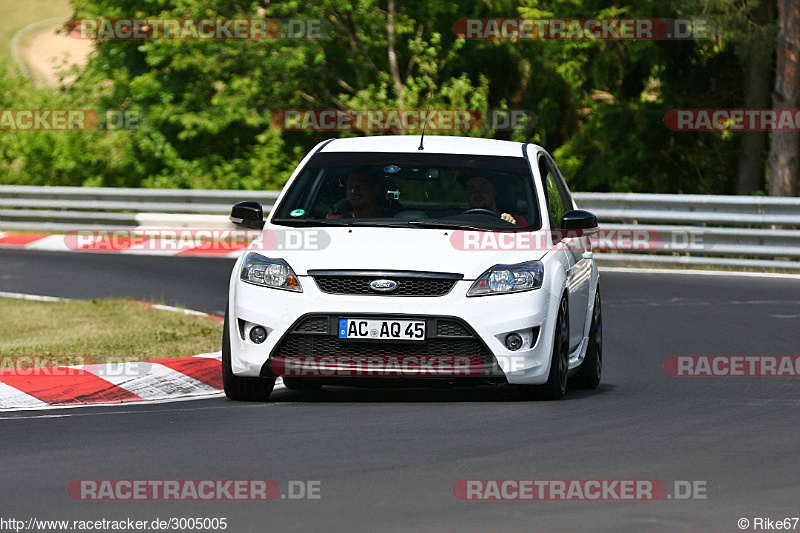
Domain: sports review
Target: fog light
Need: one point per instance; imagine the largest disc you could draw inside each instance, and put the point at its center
(259, 335)
(513, 341)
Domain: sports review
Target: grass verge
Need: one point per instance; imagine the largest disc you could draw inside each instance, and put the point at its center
(102, 331)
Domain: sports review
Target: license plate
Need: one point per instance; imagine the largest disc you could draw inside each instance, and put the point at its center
(382, 330)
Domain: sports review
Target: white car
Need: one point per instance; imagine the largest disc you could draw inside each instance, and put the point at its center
(422, 262)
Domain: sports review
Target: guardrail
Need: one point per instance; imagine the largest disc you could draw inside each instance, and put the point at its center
(738, 231)
(754, 232)
(30, 208)
(692, 209)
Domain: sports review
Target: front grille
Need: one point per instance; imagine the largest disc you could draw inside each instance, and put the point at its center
(314, 336)
(314, 324)
(406, 286)
(451, 328)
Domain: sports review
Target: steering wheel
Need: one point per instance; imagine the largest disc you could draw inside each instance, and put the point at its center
(481, 211)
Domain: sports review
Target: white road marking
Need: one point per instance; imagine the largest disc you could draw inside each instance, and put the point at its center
(140, 249)
(34, 297)
(698, 272)
(697, 303)
(162, 307)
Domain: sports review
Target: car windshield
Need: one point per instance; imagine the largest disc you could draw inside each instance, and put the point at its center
(412, 190)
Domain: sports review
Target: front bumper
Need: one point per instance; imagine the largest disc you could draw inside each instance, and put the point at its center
(489, 319)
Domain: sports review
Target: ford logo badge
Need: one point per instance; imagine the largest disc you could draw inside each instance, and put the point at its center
(383, 285)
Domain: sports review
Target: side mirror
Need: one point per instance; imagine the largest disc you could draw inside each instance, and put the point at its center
(579, 220)
(248, 215)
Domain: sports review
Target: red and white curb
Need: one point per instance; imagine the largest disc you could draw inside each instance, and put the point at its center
(61, 243)
(152, 381)
(172, 309)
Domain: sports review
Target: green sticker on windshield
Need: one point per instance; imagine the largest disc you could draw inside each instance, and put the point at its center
(297, 213)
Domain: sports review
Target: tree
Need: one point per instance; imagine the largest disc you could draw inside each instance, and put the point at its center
(206, 105)
(784, 156)
(759, 52)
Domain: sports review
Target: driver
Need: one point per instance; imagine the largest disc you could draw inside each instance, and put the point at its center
(481, 194)
(362, 195)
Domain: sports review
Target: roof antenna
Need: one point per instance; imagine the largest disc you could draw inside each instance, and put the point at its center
(425, 122)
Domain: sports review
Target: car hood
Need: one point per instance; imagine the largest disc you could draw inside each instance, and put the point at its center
(415, 249)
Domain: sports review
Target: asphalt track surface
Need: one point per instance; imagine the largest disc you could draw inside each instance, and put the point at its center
(388, 459)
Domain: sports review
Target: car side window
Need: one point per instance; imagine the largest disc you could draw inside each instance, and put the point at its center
(566, 196)
(555, 205)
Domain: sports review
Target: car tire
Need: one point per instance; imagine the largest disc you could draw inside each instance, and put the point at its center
(294, 383)
(556, 385)
(591, 370)
(238, 388)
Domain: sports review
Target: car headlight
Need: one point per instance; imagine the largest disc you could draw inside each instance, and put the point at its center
(274, 273)
(503, 279)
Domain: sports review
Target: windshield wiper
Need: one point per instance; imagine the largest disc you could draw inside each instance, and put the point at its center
(340, 222)
(435, 224)
(445, 225)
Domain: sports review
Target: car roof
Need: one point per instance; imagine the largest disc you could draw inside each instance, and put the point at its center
(433, 144)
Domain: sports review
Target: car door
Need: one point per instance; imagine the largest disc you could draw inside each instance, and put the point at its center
(579, 266)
